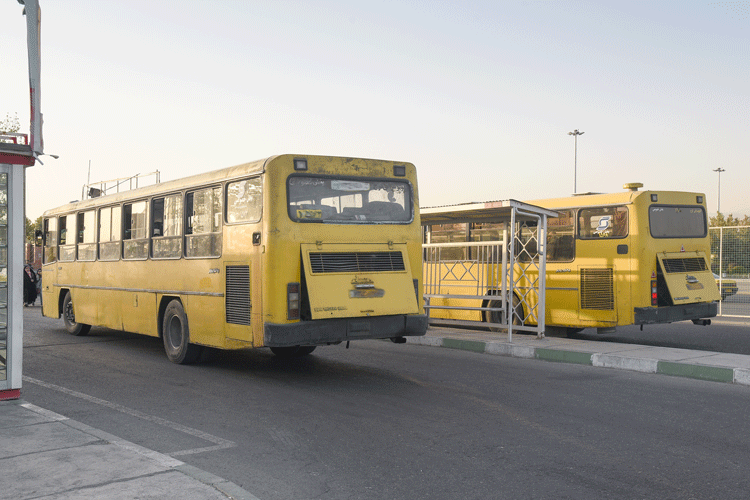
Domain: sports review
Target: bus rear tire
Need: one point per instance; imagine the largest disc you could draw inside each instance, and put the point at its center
(295, 351)
(497, 316)
(69, 318)
(176, 336)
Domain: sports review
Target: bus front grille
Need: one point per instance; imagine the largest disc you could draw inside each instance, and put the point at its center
(356, 262)
(237, 295)
(689, 265)
(597, 289)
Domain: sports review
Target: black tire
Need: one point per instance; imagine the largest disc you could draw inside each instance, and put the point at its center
(497, 316)
(295, 351)
(69, 318)
(176, 335)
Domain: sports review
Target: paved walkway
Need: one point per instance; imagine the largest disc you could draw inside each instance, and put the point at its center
(44, 454)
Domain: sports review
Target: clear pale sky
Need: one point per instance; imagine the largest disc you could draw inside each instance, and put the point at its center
(480, 96)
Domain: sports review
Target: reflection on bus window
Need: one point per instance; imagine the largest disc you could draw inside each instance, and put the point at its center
(319, 199)
(244, 200)
(603, 222)
(203, 229)
(109, 233)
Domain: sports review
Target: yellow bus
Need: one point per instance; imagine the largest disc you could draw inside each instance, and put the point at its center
(289, 252)
(629, 258)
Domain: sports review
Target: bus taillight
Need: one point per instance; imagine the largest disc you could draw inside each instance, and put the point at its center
(292, 300)
(654, 295)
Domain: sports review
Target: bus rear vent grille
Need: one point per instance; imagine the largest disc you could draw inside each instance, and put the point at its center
(597, 289)
(689, 265)
(357, 262)
(238, 295)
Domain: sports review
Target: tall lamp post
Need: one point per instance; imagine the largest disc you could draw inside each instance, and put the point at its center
(718, 198)
(575, 135)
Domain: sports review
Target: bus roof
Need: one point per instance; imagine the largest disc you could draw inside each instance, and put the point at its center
(236, 171)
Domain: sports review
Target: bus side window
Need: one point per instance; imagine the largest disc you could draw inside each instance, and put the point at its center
(603, 222)
(67, 238)
(50, 240)
(166, 227)
(86, 240)
(203, 229)
(244, 200)
(109, 233)
(136, 238)
(560, 237)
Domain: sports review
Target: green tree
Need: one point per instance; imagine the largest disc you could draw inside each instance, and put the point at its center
(10, 123)
(31, 228)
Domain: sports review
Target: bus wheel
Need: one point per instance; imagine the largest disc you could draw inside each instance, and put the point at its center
(295, 351)
(176, 335)
(497, 316)
(69, 318)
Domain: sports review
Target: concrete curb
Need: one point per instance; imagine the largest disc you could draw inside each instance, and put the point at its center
(619, 361)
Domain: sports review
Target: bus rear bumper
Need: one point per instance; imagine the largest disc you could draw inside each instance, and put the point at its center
(328, 331)
(671, 314)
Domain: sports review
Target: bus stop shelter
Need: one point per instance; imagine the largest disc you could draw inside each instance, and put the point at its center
(494, 271)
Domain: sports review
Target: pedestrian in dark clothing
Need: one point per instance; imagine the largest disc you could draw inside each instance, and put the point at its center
(29, 285)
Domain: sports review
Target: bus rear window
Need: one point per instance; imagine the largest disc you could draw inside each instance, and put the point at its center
(348, 201)
(677, 221)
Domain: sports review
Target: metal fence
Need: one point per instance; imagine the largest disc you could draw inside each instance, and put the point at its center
(730, 263)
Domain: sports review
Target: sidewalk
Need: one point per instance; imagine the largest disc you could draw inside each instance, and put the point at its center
(44, 454)
(704, 365)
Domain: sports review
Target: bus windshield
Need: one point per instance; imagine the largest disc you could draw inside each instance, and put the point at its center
(349, 201)
(673, 221)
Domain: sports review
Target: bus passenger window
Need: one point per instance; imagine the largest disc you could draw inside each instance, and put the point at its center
(561, 237)
(603, 222)
(166, 227)
(109, 233)
(50, 240)
(136, 238)
(244, 200)
(203, 229)
(86, 235)
(67, 237)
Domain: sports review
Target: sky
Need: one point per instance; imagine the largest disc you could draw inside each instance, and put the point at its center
(479, 95)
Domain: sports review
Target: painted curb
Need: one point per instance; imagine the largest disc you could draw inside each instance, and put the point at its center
(643, 365)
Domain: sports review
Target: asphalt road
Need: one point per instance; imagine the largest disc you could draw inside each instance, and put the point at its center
(381, 420)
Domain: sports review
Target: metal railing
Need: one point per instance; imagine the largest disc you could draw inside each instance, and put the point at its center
(103, 188)
(478, 287)
(730, 263)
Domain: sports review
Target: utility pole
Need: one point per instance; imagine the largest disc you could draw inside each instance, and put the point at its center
(575, 135)
(718, 198)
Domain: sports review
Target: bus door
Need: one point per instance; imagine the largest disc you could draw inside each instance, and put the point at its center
(603, 257)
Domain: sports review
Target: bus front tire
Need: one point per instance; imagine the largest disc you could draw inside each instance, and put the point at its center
(176, 335)
(294, 351)
(69, 318)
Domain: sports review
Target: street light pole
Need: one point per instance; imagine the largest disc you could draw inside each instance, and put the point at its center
(575, 135)
(718, 198)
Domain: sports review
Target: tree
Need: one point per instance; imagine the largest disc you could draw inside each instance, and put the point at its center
(31, 228)
(10, 123)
